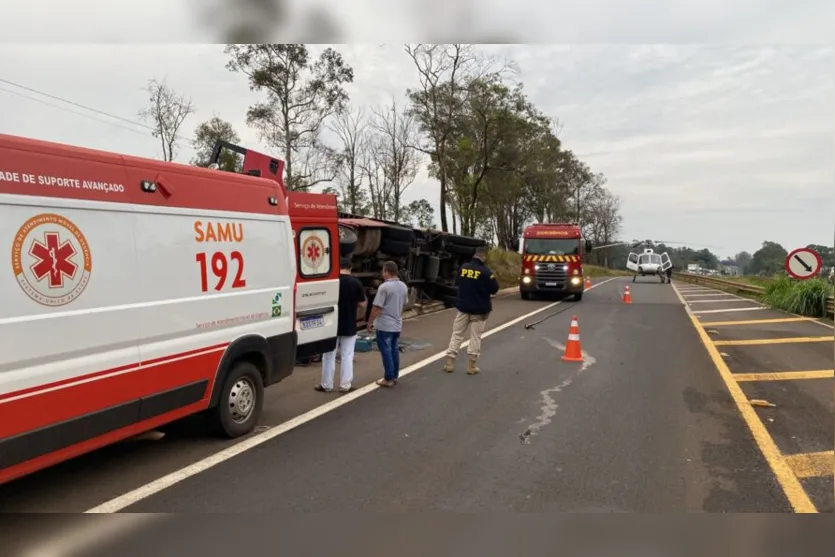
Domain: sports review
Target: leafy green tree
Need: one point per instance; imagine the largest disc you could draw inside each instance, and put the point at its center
(301, 94)
(418, 213)
(207, 135)
(770, 259)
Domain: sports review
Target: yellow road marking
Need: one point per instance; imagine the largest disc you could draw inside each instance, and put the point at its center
(797, 496)
(771, 341)
(785, 375)
(755, 321)
(812, 465)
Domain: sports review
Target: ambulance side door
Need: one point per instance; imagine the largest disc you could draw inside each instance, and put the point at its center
(317, 290)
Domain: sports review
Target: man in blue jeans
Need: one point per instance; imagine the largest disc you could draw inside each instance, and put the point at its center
(387, 318)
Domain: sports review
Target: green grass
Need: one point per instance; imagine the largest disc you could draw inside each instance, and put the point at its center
(803, 297)
(508, 265)
(751, 280)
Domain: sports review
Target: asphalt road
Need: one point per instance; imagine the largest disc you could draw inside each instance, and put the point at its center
(92, 479)
(646, 424)
(786, 361)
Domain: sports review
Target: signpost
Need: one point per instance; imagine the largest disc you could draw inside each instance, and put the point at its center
(803, 263)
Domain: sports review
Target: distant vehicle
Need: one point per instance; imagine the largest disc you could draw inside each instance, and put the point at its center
(648, 263)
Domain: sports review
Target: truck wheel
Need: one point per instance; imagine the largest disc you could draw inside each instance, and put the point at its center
(525, 295)
(578, 296)
(240, 402)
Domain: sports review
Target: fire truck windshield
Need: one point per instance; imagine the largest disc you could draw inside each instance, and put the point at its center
(552, 246)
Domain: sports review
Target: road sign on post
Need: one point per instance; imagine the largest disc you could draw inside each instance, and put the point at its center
(803, 263)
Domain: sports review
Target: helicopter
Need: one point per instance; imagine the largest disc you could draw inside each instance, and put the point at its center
(647, 263)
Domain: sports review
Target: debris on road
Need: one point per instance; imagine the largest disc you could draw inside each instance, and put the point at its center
(762, 403)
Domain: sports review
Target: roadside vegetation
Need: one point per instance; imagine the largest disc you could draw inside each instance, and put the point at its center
(806, 297)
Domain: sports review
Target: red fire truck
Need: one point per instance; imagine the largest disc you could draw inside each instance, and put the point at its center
(552, 260)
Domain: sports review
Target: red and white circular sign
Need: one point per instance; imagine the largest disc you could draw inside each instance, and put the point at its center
(51, 259)
(313, 252)
(803, 263)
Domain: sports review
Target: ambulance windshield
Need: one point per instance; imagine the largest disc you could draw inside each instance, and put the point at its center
(552, 246)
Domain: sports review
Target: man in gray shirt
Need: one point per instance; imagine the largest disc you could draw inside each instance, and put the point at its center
(387, 318)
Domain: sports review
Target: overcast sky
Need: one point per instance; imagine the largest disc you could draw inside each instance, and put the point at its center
(719, 146)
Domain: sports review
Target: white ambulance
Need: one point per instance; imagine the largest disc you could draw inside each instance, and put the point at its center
(137, 292)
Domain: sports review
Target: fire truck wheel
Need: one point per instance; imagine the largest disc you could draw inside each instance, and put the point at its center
(525, 295)
(240, 402)
(578, 297)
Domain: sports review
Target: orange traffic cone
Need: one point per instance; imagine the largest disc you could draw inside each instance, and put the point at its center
(587, 285)
(627, 296)
(573, 352)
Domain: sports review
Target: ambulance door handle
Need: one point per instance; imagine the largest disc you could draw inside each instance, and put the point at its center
(158, 184)
(164, 186)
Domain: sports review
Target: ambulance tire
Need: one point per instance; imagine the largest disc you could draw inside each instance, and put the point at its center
(243, 380)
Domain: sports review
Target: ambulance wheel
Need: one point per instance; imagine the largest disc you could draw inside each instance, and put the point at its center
(240, 402)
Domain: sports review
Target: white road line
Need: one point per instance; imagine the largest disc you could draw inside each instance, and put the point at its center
(719, 292)
(755, 308)
(734, 301)
(132, 497)
(686, 296)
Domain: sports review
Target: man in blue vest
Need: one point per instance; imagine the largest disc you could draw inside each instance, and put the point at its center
(476, 284)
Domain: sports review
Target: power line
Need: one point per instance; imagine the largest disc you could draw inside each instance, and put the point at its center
(91, 109)
(57, 98)
(59, 107)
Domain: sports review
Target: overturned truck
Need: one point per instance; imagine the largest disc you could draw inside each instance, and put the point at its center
(428, 259)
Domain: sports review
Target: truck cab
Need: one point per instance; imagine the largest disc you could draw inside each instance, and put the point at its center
(552, 260)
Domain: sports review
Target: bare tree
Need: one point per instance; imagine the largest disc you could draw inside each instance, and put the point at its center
(396, 133)
(351, 126)
(604, 220)
(373, 166)
(167, 112)
(301, 95)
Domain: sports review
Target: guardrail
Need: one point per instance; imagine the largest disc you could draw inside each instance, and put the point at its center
(734, 286)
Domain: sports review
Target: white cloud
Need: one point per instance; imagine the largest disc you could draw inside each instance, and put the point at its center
(716, 145)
